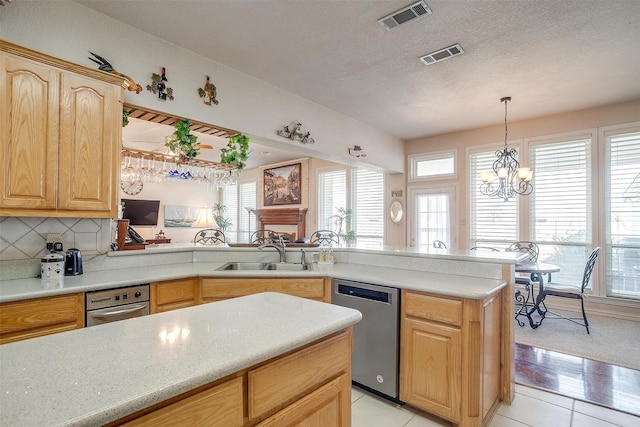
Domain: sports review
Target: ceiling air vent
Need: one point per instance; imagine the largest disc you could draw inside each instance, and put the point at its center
(404, 15)
(442, 54)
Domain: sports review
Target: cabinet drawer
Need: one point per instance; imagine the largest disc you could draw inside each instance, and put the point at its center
(428, 307)
(226, 287)
(173, 294)
(43, 316)
(221, 405)
(330, 405)
(276, 384)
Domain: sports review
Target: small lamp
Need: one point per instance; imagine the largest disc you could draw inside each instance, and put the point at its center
(205, 219)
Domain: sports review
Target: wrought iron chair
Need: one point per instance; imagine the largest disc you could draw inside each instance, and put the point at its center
(209, 236)
(439, 244)
(573, 291)
(265, 236)
(532, 250)
(325, 237)
(484, 248)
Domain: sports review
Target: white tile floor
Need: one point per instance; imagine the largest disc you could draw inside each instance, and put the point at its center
(531, 407)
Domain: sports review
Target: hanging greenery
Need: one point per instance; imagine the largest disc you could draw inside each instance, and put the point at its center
(236, 152)
(125, 117)
(183, 143)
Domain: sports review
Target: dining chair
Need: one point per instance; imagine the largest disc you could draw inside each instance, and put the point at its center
(209, 236)
(439, 244)
(265, 236)
(572, 291)
(484, 248)
(325, 237)
(532, 250)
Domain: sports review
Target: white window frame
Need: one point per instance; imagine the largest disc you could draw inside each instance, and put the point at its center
(414, 159)
(604, 154)
(592, 198)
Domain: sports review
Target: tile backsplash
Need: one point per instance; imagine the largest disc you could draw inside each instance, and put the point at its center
(24, 238)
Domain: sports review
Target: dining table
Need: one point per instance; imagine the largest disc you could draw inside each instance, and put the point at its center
(534, 301)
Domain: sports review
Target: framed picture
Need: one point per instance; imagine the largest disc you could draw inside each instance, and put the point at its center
(282, 185)
(180, 216)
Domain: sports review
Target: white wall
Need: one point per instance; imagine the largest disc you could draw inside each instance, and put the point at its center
(69, 31)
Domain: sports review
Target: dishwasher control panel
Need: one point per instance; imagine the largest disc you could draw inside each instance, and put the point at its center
(117, 296)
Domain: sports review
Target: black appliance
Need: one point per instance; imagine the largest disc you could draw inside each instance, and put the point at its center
(73, 262)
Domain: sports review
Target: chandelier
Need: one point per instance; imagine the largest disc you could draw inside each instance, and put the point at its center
(507, 178)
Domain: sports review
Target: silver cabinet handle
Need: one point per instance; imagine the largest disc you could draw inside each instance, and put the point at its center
(111, 312)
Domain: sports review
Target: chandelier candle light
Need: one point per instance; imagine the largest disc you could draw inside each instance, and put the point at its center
(512, 179)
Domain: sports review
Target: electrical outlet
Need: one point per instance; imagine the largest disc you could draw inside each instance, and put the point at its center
(54, 237)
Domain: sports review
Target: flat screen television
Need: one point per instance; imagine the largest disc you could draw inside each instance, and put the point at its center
(141, 212)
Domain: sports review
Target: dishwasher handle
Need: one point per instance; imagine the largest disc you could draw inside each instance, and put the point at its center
(112, 312)
(370, 294)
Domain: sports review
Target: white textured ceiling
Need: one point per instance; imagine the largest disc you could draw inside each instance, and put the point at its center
(550, 56)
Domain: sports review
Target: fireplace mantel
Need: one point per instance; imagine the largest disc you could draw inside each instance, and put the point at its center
(297, 216)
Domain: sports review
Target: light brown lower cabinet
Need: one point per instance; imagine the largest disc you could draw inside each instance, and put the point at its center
(221, 405)
(219, 288)
(32, 318)
(173, 294)
(308, 387)
(450, 356)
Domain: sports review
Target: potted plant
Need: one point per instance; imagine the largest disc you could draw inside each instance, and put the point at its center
(184, 143)
(218, 215)
(343, 219)
(236, 152)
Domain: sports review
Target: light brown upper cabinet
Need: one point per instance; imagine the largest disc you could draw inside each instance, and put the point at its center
(60, 136)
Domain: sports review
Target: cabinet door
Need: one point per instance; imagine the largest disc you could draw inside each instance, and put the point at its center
(330, 405)
(90, 136)
(173, 294)
(43, 316)
(430, 363)
(28, 134)
(215, 289)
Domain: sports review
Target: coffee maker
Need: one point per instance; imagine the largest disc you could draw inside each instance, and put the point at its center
(73, 262)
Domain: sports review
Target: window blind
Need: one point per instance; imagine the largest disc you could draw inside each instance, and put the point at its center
(492, 220)
(560, 206)
(230, 200)
(332, 194)
(246, 200)
(367, 190)
(623, 215)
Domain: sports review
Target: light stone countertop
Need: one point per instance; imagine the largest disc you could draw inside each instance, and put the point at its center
(95, 375)
(438, 283)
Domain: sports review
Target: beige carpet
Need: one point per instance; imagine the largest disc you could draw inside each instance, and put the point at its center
(610, 340)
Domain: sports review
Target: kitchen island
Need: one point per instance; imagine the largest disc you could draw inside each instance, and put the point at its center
(102, 374)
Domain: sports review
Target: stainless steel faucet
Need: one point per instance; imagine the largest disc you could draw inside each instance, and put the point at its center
(280, 248)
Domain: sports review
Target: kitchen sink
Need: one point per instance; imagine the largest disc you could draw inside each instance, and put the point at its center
(244, 266)
(287, 266)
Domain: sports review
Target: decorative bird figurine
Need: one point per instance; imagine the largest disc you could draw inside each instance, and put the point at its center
(104, 65)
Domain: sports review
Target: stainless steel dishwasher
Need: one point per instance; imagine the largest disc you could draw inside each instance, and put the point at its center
(376, 337)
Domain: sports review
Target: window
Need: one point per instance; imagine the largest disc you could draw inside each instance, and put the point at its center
(247, 198)
(360, 190)
(230, 201)
(493, 222)
(560, 206)
(432, 165)
(367, 190)
(622, 199)
(332, 194)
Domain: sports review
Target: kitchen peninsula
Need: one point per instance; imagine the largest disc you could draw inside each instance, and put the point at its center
(466, 315)
(283, 350)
